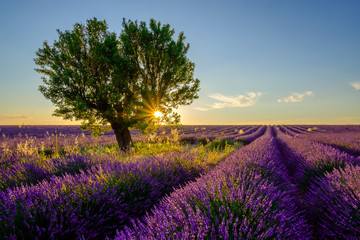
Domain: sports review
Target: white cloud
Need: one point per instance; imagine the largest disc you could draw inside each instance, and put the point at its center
(296, 97)
(201, 109)
(355, 85)
(229, 101)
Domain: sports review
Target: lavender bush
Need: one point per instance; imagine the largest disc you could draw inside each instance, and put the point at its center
(345, 141)
(93, 203)
(245, 197)
(327, 179)
(336, 199)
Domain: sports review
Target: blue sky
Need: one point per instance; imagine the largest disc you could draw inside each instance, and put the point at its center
(259, 61)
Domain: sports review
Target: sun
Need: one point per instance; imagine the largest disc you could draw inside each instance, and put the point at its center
(157, 114)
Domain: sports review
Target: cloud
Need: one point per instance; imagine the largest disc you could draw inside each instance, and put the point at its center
(229, 101)
(201, 109)
(296, 97)
(14, 116)
(355, 85)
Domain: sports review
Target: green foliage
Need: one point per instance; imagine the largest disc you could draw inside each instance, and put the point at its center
(321, 169)
(220, 144)
(138, 149)
(77, 70)
(212, 156)
(96, 76)
(187, 140)
(242, 141)
(95, 130)
(164, 71)
(203, 141)
(156, 148)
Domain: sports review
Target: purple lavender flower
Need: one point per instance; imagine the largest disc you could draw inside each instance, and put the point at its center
(246, 196)
(94, 202)
(336, 198)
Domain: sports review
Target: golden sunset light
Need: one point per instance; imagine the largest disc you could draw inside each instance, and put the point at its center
(158, 114)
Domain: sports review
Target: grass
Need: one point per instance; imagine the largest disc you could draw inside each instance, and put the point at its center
(217, 150)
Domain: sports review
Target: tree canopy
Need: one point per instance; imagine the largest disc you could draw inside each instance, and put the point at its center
(101, 78)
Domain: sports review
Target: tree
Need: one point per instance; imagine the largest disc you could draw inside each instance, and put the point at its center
(93, 75)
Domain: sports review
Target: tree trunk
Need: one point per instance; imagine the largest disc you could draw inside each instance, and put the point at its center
(123, 136)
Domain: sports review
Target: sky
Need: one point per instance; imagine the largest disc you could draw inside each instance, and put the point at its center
(258, 61)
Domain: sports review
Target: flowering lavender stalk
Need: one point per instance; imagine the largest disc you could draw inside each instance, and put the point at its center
(33, 169)
(336, 198)
(252, 135)
(313, 159)
(245, 197)
(293, 131)
(318, 158)
(289, 131)
(219, 133)
(348, 141)
(283, 130)
(94, 203)
(297, 129)
(327, 175)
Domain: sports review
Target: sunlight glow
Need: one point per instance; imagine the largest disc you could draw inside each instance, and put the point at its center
(157, 114)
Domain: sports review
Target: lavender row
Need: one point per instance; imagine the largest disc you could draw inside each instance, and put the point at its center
(329, 182)
(307, 129)
(293, 130)
(94, 203)
(30, 170)
(346, 141)
(240, 134)
(336, 199)
(286, 130)
(317, 155)
(249, 137)
(236, 132)
(283, 130)
(209, 129)
(248, 196)
(339, 128)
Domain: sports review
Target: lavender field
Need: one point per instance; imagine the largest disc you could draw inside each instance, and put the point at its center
(194, 182)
